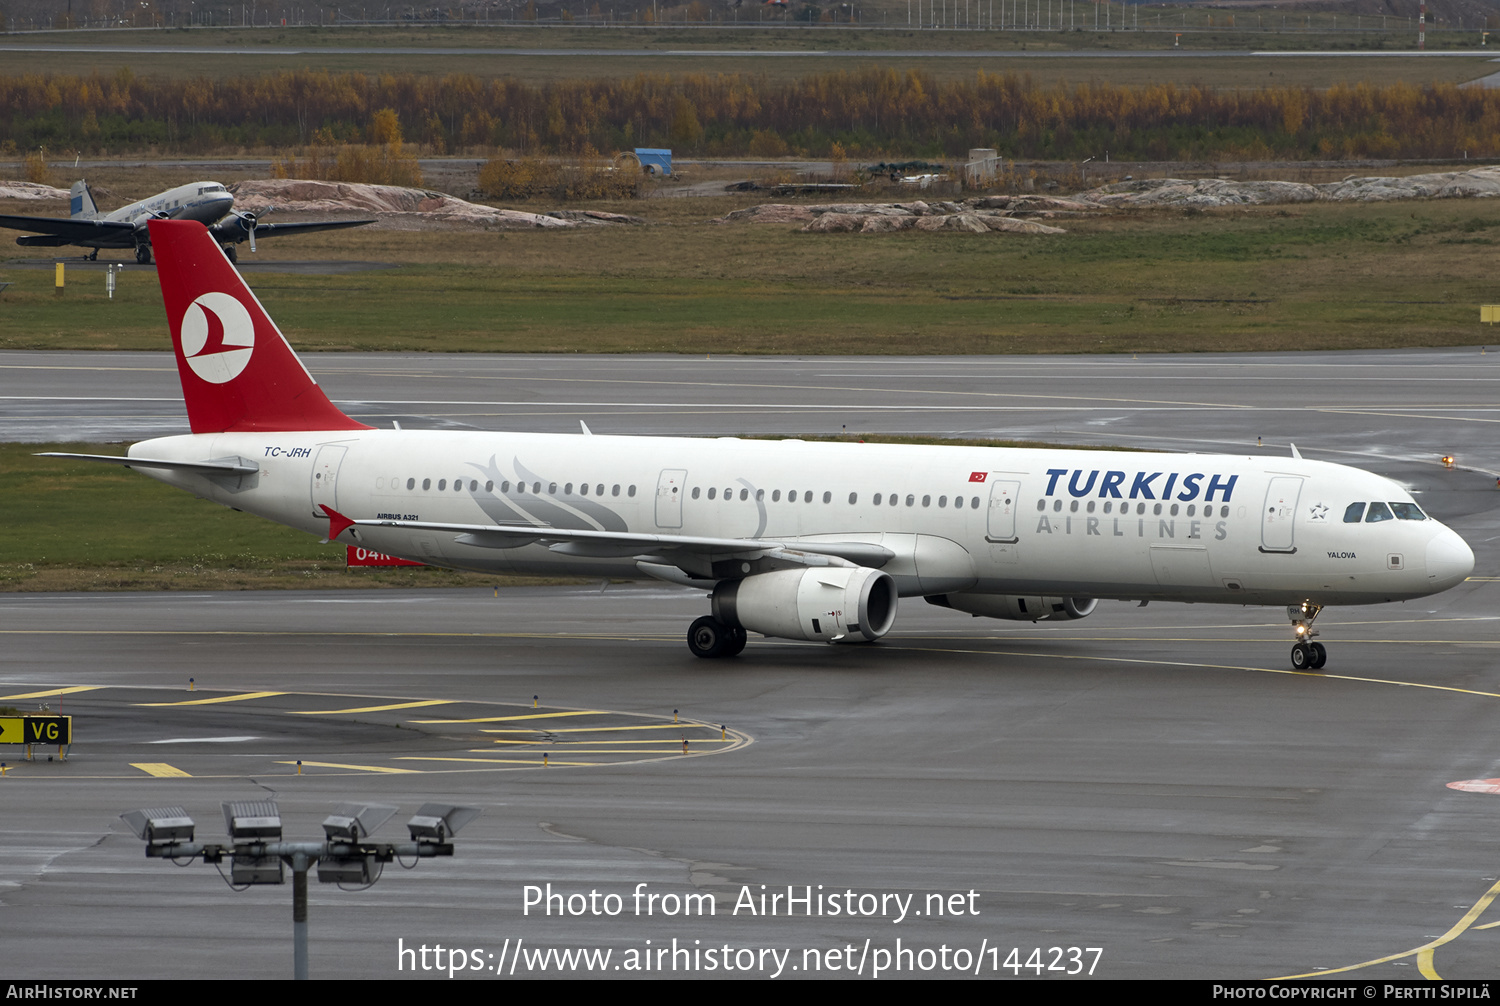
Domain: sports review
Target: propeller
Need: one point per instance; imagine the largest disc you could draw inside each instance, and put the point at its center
(247, 221)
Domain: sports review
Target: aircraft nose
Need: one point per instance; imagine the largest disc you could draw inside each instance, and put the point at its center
(1449, 560)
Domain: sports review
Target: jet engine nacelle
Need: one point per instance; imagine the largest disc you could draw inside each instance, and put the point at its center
(1019, 609)
(844, 604)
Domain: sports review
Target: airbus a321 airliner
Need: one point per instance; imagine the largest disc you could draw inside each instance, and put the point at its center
(807, 541)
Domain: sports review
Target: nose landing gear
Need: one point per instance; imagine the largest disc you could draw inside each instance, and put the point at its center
(1306, 655)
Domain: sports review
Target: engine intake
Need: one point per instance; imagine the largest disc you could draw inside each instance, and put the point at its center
(852, 604)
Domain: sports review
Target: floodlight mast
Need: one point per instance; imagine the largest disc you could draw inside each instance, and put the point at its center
(255, 844)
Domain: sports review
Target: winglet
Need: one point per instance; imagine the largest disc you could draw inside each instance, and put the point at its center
(586, 431)
(337, 522)
(1296, 453)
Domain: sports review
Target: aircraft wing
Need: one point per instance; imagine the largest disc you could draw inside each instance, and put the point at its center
(618, 544)
(232, 229)
(65, 230)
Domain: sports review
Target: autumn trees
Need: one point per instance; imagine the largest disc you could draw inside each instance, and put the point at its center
(869, 113)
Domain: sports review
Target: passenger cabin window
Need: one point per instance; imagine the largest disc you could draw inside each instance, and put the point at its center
(1378, 512)
(1354, 513)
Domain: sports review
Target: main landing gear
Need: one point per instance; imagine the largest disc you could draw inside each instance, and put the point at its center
(1306, 655)
(709, 637)
(143, 254)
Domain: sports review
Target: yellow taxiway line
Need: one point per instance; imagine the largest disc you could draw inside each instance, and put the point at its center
(50, 692)
(384, 769)
(160, 769)
(373, 709)
(215, 700)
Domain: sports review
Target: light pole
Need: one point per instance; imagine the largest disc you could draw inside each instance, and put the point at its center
(257, 855)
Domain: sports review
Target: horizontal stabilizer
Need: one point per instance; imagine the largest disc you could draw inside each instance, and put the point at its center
(228, 466)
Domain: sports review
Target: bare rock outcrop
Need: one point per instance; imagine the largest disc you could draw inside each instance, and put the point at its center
(975, 216)
(30, 190)
(397, 208)
(1476, 183)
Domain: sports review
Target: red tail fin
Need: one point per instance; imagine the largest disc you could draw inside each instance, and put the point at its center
(238, 373)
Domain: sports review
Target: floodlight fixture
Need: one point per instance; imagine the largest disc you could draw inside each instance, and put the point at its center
(351, 822)
(438, 822)
(256, 870)
(252, 820)
(160, 825)
(352, 871)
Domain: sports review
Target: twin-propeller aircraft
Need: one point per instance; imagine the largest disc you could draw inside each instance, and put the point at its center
(807, 541)
(208, 203)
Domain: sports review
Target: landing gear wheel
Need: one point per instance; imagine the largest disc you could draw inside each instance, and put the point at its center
(737, 639)
(708, 637)
(143, 254)
(1306, 655)
(93, 256)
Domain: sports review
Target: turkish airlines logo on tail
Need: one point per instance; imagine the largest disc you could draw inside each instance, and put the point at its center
(218, 337)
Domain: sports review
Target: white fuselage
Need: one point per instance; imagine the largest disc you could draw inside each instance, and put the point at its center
(205, 202)
(1185, 527)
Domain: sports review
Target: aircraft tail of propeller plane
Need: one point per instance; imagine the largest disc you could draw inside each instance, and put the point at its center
(796, 540)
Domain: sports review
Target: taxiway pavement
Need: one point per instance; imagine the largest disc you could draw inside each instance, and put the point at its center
(1153, 782)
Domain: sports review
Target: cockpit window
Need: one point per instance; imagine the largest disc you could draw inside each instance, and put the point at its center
(1408, 511)
(1378, 512)
(1354, 514)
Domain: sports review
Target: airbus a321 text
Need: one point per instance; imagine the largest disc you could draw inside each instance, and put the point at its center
(807, 541)
(206, 202)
